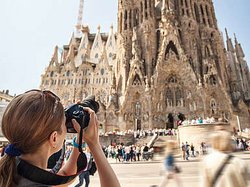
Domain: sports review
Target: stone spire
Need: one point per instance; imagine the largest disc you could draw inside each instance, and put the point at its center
(229, 42)
(238, 49)
(79, 19)
(55, 55)
(97, 47)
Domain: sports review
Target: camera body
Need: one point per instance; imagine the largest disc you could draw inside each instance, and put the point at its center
(76, 111)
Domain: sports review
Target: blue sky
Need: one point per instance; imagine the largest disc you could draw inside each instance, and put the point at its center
(31, 28)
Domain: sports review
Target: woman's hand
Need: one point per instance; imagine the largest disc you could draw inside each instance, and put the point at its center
(90, 133)
(91, 137)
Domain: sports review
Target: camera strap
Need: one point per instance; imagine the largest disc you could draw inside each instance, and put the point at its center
(46, 177)
(41, 176)
(80, 137)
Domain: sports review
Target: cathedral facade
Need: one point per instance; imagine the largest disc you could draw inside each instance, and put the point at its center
(167, 58)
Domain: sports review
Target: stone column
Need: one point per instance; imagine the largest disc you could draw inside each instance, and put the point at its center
(149, 98)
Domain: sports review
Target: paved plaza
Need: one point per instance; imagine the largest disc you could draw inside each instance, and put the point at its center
(145, 174)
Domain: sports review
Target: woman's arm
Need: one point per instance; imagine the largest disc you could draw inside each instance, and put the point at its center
(70, 168)
(106, 174)
(91, 137)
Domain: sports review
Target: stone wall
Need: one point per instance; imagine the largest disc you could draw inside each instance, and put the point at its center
(117, 139)
(199, 133)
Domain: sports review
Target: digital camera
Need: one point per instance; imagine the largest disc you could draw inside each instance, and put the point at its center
(76, 111)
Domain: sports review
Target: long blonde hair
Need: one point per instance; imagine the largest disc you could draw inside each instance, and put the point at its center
(221, 141)
(27, 123)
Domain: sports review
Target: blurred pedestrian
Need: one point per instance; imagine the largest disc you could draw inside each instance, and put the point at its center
(220, 168)
(183, 149)
(84, 175)
(170, 169)
(192, 150)
(187, 150)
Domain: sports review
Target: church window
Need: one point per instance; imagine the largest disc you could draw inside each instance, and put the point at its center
(141, 12)
(138, 108)
(120, 22)
(213, 106)
(178, 97)
(150, 8)
(96, 44)
(208, 16)
(102, 71)
(136, 81)
(212, 80)
(125, 20)
(146, 9)
(207, 52)
(202, 11)
(172, 79)
(51, 73)
(68, 73)
(197, 15)
(169, 98)
(82, 57)
(136, 17)
(130, 19)
(204, 21)
(186, 3)
(173, 48)
(96, 55)
(207, 11)
(158, 37)
(182, 3)
(110, 55)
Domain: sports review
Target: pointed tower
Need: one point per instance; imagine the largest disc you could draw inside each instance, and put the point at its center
(97, 47)
(243, 70)
(79, 23)
(111, 47)
(84, 47)
(140, 15)
(229, 42)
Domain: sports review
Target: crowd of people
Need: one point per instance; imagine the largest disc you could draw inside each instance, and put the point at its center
(198, 120)
(143, 133)
(127, 153)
